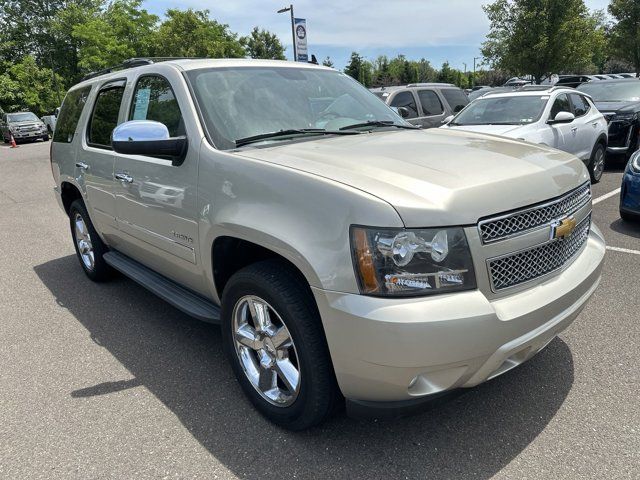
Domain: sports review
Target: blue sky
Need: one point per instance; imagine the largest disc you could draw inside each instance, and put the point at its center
(438, 30)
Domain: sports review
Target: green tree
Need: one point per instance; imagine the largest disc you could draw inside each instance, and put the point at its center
(123, 30)
(360, 69)
(263, 44)
(327, 62)
(25, 86)
(625, 34)
(191, 33)
(539, 37)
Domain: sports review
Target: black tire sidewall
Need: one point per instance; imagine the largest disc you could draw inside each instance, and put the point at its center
(592, 163)
(101, 270)
(318, 384)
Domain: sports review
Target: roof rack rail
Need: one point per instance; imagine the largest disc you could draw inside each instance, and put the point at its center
(540, 88)
(430, 84)
(133, 62)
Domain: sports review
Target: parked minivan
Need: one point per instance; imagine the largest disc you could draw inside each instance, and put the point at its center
(424, 104)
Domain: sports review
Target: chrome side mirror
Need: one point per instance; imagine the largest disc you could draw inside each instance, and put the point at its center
(146, 137)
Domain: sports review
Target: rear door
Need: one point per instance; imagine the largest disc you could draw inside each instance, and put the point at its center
(156, 205)
(433, 112)
(407, 100)
(95, 159)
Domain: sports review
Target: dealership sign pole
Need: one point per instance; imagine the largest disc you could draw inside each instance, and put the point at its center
(293, 29)
(300, 39)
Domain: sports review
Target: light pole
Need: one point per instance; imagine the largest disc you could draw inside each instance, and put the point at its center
(293, 30)
(473, 80)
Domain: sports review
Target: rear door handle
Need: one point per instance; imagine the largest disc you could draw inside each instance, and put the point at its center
(82, 166)
(574, 129)
(124, 177)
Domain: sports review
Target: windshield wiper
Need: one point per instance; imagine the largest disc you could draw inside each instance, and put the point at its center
(380, 123)
(291, 131)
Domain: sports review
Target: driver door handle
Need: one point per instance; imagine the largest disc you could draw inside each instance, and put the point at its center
(82, 166)
(124, 177)
(574, 129)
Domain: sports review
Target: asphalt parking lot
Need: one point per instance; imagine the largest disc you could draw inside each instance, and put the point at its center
(108, 381)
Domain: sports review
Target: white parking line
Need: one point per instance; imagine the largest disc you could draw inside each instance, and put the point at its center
(606, 195)
(623, 250)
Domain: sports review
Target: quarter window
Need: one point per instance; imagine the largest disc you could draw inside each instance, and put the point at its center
(580, 105)
(456, 98)
(430, 102)
(560, 105)
(154, 99)
(406, 100)
(105, 116)
(70, 112)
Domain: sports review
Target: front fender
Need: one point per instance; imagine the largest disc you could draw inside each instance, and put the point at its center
(300, 216)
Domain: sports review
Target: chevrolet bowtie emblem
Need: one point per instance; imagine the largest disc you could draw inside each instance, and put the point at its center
(563, 228)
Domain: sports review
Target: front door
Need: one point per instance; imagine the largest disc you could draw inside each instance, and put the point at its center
(156, 203)
(564, 134)
(407, 100)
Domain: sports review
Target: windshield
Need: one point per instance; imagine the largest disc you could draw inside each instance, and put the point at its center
(516, 110)
(21, 117)
(613, 91)
(241, 102)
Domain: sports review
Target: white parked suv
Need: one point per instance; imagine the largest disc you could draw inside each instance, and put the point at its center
(558, 117)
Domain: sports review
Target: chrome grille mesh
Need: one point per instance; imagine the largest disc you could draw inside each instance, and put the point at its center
(494, 229)
(535, 262)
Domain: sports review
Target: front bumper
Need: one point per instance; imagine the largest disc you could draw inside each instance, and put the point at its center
(630, 194)
(402, 350)
(31, 135)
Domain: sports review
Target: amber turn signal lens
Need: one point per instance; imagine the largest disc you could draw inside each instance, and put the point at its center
(364, 259)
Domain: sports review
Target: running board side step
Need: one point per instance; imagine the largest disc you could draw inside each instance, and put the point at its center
(180, 297)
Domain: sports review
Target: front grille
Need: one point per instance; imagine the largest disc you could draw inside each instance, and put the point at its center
(521, 221)
(526, 265)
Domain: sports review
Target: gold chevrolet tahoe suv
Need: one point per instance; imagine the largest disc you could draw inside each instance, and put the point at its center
(346, 254)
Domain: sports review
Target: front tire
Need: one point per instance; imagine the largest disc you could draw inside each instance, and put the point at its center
(88, 244)
(597, 162)
(273, 338)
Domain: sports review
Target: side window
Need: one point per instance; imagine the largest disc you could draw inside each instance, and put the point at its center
(560, 105)
(456, 98)
(67, 121)
(153, 99)
(406, 100)
(430, 102)
(105, 116)
(580, 105)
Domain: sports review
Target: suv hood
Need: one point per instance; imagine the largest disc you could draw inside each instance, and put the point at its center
(25, 123)
(435, 177)
(617, 107)
(508, 130)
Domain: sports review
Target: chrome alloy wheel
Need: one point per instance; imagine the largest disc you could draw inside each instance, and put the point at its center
(266, 351)
(83, 242)
(598, 163)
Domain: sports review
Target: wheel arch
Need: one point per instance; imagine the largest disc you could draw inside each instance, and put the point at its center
(69, 193)
(232, 252)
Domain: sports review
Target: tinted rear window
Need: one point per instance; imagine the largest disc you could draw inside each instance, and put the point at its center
(70, 112)
(456, 98)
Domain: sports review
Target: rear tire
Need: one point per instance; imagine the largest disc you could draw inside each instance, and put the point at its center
(88, 244)
(294, 398)
(597, 162)
(627, 217)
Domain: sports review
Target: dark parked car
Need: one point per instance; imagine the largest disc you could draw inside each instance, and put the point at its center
(630, 191)
(575, 80)
(619, 102)
(23, 126)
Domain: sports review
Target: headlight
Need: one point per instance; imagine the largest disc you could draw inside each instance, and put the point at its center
(634, 162)
(398, 262)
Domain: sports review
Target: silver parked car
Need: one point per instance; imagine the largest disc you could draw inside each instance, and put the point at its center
(424, 104)
(345, 253)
